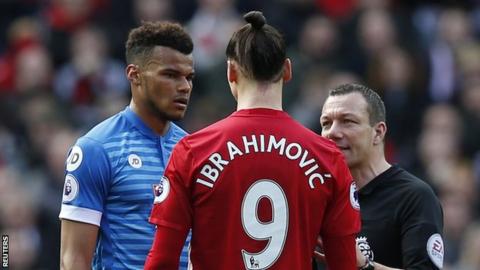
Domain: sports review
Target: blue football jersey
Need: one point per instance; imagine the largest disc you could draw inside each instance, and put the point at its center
(112, 174)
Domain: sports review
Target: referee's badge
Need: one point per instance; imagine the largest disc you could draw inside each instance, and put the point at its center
(161, 190)
(354, 196)
(435, 249)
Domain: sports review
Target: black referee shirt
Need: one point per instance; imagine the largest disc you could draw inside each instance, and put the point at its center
(402, 221)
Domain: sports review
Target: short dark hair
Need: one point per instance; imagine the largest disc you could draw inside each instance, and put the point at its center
(143, 39)
(375, 105)
(258, 48)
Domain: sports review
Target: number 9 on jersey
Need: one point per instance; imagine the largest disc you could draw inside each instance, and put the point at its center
(274, 231)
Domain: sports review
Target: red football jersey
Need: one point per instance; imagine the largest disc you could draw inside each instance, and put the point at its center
(256, 188)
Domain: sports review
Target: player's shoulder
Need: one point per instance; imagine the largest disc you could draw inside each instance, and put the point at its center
(176, 132)
(114, 126)
(213, 129)
(411, 183)
(104, 132)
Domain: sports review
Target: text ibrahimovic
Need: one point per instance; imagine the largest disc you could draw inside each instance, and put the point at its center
(259, 144)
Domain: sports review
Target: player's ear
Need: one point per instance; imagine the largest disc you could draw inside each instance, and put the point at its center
(287, 70)
(133, 73)
(232, 72)
(380, 130)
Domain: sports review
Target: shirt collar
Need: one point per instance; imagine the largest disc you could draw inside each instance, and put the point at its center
(378, 180)
(259, 111)
(138, 123)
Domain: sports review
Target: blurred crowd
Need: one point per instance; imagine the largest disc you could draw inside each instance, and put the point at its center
(62, 71)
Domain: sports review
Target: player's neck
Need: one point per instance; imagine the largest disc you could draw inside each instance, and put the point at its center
(366, 172)
(159, 126)
(252, 94)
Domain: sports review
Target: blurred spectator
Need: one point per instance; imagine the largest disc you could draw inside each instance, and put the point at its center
(337, 8)
(20, 226)
(439, 144)
(63, 17)
(318, 44)
(89, 75)
(313, 91)
(33, 71)
(372, 32)
(23, 34)
(397, 78)
(40, 115)
(152, 10)
(453, 30)
(376, 31)
(457, 215)
(470, 106)
(469, 259)
(211, 27)
(318, 41)
(20, 211)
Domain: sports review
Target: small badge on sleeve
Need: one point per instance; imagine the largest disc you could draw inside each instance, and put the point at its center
(365, 248)
(74, 159)
(435, 249)
(70, 188)
(161, 191)
(354, 196)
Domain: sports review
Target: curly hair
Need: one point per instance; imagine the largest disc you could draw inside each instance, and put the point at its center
(143, 39)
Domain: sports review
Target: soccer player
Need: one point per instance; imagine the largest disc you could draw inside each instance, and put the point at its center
(256, 188)
(402, 219)
(112, 172)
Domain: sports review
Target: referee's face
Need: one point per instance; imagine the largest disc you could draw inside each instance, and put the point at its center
(166, 83)
(345, 120)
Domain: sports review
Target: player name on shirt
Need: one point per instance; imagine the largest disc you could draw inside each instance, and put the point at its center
(216, 163)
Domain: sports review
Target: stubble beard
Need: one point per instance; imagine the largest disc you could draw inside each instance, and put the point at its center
(160, 114)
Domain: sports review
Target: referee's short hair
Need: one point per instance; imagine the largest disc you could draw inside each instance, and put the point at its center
(375, 105)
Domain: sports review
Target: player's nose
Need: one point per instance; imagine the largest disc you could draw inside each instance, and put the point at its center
(185, 85)
(334, 132)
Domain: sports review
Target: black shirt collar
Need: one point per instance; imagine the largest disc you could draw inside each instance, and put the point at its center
(379, 179)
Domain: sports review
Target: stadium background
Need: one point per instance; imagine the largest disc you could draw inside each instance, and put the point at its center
(61, 72)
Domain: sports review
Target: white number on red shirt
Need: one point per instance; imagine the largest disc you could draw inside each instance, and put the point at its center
(274, 231)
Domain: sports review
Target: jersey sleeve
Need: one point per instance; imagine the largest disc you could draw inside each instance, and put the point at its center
(422, 229)
(342, 216)
(87, 178)
(172, 206)
(340, 252)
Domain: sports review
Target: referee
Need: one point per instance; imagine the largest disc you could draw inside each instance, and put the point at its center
(402, 219)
